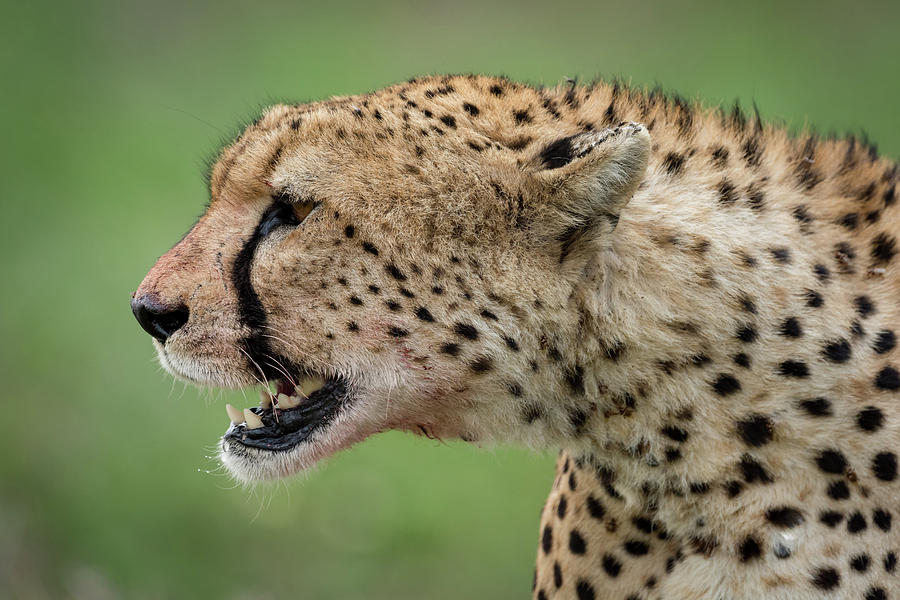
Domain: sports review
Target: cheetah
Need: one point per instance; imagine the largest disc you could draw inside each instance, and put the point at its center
(696, 308)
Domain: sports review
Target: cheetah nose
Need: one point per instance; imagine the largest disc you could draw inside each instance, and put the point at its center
(157, 319)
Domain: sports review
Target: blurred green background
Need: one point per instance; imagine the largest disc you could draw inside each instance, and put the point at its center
(110, 109)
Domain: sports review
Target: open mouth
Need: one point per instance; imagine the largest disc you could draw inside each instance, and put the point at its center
(289, 416)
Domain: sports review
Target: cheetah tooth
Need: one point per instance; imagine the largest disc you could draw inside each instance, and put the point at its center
(265, 398)
(310, 385)
(236, 416)
(285, 402)
(253, 420)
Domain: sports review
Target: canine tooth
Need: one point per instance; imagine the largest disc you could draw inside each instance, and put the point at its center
(236, 416)
(311, 384)
(265, 398)
(253, 420)
(285, 402)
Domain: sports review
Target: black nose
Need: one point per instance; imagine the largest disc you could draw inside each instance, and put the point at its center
(158, 320)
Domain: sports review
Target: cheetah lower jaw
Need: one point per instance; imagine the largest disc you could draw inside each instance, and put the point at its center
(282, 401)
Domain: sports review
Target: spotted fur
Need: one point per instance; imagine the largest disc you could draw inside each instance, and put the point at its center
(697, 307)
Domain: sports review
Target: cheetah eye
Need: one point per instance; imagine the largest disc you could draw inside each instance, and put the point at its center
(284, 213)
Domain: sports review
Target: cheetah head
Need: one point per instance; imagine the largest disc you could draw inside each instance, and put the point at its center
(376, 264)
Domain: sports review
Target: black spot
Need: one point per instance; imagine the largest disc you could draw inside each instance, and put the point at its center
(466, 330)
(884, 465)
(578, 418)
(558, 154)
(355, 300)
(849, 221)
(885, 341)
(837, 351)
(437, 290)
(890, 562)
(577, 544)
(547, 539)
(882, 519)
(636, 547)
(784, 516)
(349, 231)
(753, 471)
(782, 255)
(585, 590)
(860, 562)
(451, 349)
(803, 217)
(368, 247)
(575, 379)
(870, 419)
(725, 385)
(742, 360)
(748, 305)
(699, 487)
(747, 333)
(449, 121)
(749, 549)
(511, 343)
(831, 461)
(393, 306)
(883, 248)
(424, 314)
(720, 156)
(856, 329)
(888, 379)
(838, 490)
(817, 407)
(595, 508)
(791, 328)
(793, 368)
(488, 315)
(395, 272)
(611, 565)
(374, 289)
(831, 518)
(826, 578)
(756, 430)
(352, 326)
(864, 306)
(472, 110)
(822, 273)
(643, 524)
(398, 332)
(675, 433)
(405, 292)
(752, 152)
(726, 192)
(733, 488)
(856, 523)
(813, 299)
(557, 575)
(673, 163)
(496, 90)
(755, 198)
(561, 507)
(876, 593)
(521, 117)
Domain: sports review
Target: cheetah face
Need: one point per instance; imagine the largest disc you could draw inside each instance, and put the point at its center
(368, 281)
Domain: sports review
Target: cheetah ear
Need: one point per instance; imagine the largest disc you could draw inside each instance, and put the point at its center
(588, 179)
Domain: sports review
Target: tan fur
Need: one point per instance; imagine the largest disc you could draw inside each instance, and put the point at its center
(698, 318)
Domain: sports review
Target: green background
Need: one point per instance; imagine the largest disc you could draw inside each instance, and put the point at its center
(109, 111)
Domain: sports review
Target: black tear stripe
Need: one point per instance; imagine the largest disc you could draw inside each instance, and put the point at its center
(250, 309)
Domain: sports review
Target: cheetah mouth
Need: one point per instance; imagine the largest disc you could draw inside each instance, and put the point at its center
(288, 416)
